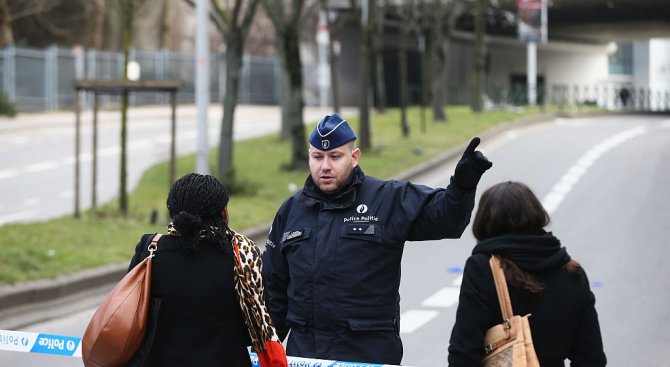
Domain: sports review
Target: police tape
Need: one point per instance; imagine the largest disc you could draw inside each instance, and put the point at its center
(29, 342)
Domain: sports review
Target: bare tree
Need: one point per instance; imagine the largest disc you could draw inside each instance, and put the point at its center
(377, 43)
(235, 28)
(97, 37)
(366, 15)
(438, 18)
(233, 23)
(166, 27)
(11, 11)
(409, 16)
(6, 34)
(128, 8)
(476, 102)
(286, 17)
(336, 23)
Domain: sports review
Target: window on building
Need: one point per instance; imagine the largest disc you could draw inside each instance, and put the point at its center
(621, 61)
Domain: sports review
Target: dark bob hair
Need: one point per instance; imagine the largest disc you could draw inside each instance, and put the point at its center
(508, 207)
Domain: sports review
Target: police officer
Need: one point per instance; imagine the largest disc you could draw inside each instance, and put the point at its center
(332, 260)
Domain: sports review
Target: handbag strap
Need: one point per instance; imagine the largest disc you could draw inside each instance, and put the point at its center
(501, 288)
(153, 246)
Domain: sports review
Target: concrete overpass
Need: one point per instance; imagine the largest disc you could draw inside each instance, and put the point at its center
(584, 37)
(593, 21)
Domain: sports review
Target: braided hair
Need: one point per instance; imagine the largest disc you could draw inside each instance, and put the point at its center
(195, 203)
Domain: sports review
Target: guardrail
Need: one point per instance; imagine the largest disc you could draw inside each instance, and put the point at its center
(70, 346)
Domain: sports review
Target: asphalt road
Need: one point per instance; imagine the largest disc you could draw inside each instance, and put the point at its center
(37, 152)
(606, 184)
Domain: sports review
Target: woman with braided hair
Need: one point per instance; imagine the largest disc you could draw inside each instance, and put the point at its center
(207, 302)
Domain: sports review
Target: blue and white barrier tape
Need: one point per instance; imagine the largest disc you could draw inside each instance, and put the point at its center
(29, 342)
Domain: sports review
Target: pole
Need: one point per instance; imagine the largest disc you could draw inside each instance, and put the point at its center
(77, 149)
(531, 76)
(173, 138)
(202, 84)
(323, 70)
(94, 168)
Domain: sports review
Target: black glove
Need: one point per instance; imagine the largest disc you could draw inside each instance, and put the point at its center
(471, 167)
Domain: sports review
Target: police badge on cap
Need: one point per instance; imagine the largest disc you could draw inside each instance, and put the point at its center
(331, 132)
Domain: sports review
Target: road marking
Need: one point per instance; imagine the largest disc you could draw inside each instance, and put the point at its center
(413, 319)
(8, 173)
(109, 151)
(14, 217)
(574, 173)
(42, 166)
(578, 122)
(445, 297)
(83, 157)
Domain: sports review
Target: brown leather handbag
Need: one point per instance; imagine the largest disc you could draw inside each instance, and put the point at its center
(508, 343)
(117, 328)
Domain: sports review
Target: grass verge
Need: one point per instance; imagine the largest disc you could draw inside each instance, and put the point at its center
(65, 245)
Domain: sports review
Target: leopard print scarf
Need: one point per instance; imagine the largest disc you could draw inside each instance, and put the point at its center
(250, 291)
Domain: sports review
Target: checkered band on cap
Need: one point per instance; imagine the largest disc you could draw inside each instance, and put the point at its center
(331, 132)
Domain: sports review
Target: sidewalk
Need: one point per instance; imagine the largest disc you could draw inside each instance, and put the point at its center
(38, 120)
(27, 303)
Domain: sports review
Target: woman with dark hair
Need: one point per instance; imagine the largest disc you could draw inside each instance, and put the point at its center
(542, 278)
(207, 303)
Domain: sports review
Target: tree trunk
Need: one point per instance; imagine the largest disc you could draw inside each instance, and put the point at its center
(437, 52)
(295, 103)
(402, 57)
(364, 135)
(113, 26)
(285, 91)
(440, 85)
(234, 52)
(480, 57)
(334, 69)
(378, 56)
(127, 12)
(98, 34)
(166, 25)
(427, 72)
(6, 34)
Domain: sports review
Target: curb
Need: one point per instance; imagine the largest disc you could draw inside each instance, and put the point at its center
(31, 302)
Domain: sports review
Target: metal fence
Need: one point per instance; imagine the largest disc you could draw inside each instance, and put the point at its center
(41, 79)
(606, 95)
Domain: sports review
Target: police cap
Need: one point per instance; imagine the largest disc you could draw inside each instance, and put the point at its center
(331, 132)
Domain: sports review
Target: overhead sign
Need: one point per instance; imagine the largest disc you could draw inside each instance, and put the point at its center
(532, 20)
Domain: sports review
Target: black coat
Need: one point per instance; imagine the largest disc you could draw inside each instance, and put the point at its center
(195, 318)
(564, 323)
(332, 263)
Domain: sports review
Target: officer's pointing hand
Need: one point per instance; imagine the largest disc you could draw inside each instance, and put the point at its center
(471, 167)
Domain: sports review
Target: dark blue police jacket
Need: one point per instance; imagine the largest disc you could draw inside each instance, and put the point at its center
(332, 263)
